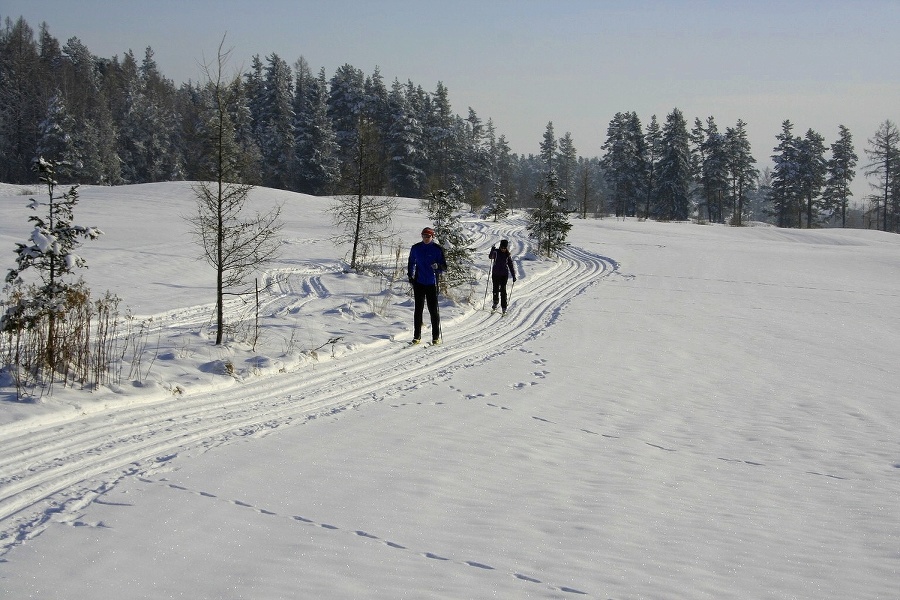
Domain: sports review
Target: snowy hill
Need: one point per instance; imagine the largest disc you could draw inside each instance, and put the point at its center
(668, 411)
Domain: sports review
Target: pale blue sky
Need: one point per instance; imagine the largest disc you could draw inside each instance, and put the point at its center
(524, 63)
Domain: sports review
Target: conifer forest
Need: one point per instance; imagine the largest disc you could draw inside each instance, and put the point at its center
(120, 120)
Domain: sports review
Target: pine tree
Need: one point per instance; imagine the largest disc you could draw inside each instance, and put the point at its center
(49, 252)
(588, 177)
(710, 169)
(549, 224)
(813, 169)
(505, 168)
(785, 194)
(567, 164)
(625, 162)
(741, 172)
(841, 171)
(148, 133)
(443, 207)
(654, 145)
(318, 164)
(673, 197)
(278, 153)
(346, 99)
(439, 134)
(548, 147)
(404, 141)
(22, 101)
(55, 141)
(499, 205)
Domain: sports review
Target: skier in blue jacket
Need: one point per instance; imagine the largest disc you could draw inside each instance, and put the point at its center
(426, 262)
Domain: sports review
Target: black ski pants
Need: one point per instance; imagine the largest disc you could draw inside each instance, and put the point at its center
(423, 294)
(500, 290)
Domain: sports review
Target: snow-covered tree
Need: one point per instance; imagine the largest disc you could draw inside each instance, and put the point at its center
(439, 135)
(406, 156)
(499, 205)
(841, 171)
(548, 223)
(785, 193)
(505, 169)
(443, 207)
(741, 172)
(50, 252)
(625, 162)
(22, 101)
(654, 145)
(318, 164)
(674, 179)
(813, 170)
(55, 141)
(346, 100)
(711, 169)
(278, 154)
(148, 132)
(548, 147)
(567, 164)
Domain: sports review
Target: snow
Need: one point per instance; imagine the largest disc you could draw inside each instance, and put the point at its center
(668, 411)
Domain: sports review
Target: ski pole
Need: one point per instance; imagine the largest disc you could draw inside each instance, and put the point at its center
(437, 305)
(487, 285)
(509, 296)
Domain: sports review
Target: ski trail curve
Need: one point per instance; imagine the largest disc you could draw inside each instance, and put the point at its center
(48, 470)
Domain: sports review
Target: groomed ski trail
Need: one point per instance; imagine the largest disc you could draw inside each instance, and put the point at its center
(48, 471)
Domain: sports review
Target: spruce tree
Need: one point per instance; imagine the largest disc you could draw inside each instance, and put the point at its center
(711, 168)
(404, 141)
(548, 147)
(567, 164)
(674, 180)
(654, 145)
(548, 223)
(443, 207)
(499, 205)
(813, 170)
(841, 171)
(785, 193)
(318, 163)
(278, 142)
(625, 162)
(741, 172)
(50, 251)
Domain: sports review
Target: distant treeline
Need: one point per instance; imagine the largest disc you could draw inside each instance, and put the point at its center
(120, 121)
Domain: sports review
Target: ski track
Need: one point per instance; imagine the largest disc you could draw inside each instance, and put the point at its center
(49, 471)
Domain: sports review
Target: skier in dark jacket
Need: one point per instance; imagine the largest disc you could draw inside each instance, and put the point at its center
(501, 269)
(426, 262)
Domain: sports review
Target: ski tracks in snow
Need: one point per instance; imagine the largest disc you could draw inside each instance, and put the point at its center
(50, 471)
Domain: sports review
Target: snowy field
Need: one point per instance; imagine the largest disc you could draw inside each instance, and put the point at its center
(669, 411)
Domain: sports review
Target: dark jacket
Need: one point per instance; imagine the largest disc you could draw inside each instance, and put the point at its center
(426, 262)
(503, 264)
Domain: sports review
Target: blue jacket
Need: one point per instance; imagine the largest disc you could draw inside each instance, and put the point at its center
(422, 260)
